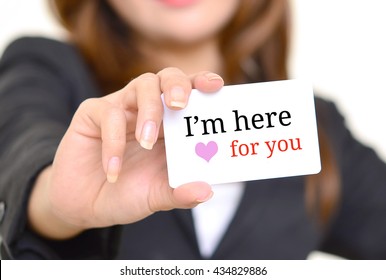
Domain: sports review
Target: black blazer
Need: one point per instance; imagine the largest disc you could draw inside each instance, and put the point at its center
(43, 81)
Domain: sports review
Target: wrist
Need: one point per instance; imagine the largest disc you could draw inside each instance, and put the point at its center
(41, 217)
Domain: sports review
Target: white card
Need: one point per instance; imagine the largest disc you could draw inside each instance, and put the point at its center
(242, 133)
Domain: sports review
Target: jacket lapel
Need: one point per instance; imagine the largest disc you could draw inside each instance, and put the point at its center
(185, 220)
(256, 197)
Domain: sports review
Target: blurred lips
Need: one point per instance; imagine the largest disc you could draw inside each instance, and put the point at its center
(178, 3)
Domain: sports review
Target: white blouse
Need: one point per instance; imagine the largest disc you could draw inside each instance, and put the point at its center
(212, 218)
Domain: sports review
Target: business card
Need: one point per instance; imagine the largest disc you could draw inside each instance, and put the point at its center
(242, 133)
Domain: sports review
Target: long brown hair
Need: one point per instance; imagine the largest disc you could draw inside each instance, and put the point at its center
(257, 34)
(254, 47)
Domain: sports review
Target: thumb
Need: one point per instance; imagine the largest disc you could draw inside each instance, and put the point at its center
(185, 196)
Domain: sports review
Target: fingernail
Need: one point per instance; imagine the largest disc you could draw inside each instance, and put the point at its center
(206, 198)
(213, 77)
(148, 135)
(113, 168)
(178, 97)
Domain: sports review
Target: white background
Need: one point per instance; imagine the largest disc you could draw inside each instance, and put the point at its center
(340, 45)
(337, 44)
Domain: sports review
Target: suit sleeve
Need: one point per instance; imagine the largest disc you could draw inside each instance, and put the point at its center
(37, 101)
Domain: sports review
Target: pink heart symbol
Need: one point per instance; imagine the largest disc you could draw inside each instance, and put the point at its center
(206, 151)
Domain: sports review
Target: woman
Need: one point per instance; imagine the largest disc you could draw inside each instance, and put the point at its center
(83, 160)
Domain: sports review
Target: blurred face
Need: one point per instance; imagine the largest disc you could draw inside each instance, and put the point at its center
(175, 21)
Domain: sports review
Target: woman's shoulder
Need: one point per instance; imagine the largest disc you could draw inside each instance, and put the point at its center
(44, 55)
(324, 105)
(328, 113)
(43, 46)
(43, 51)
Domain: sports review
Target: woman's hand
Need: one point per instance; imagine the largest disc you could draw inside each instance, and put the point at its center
(110, 166)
